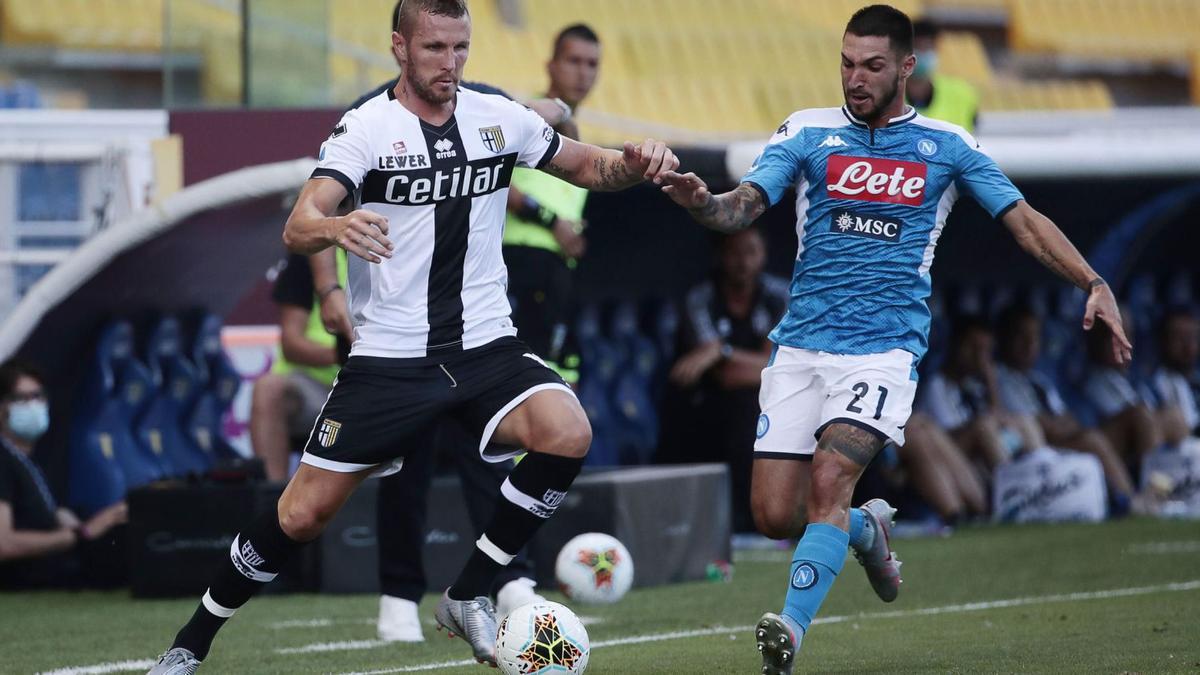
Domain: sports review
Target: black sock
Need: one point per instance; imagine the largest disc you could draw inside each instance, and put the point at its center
(257, 555)
(519, 513)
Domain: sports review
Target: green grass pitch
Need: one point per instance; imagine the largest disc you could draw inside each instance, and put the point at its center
(1113, 598)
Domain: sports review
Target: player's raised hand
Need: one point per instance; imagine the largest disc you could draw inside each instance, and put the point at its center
(363, 233)
(1102, 305)
(686, 190)
(650, 159)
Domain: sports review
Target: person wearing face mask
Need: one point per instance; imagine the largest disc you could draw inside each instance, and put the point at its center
(934, 95)
(41, 543)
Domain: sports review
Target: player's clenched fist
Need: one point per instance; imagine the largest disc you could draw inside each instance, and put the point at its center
(363, 233)
(650, 159)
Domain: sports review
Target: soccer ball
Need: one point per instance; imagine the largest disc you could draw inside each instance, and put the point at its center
(594, 568)
(542, 638)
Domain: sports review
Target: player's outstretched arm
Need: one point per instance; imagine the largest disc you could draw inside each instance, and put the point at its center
(727, 212)
(596, 168)
(312, 227)
(1042, 239)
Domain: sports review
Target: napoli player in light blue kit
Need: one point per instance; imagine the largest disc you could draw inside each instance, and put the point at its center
(875, 182)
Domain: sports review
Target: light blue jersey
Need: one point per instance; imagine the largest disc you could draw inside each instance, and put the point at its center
(870, 208)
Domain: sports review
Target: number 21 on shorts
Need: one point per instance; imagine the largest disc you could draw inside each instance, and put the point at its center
(861, 390)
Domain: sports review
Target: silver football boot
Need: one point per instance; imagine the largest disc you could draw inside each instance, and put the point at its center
(471, 620)
(176, 661)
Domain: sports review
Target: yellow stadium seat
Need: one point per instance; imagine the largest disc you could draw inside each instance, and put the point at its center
(961, 54)
(1152, 30)
(1046, 95)
(1195, 76)
(988, 5)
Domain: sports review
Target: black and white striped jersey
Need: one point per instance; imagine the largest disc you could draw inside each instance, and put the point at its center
(444, 190)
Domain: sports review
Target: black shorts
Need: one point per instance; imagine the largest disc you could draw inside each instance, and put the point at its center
(381, 409)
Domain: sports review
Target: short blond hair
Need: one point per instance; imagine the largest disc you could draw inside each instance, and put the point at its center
(406, 12)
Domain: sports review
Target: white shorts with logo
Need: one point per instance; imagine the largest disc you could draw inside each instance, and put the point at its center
(804, 391)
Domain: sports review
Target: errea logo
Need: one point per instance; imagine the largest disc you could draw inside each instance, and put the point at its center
(445, 149)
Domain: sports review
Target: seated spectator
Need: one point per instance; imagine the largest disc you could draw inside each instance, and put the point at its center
(712, 412)
(1123, 414)
(1175, 383)
(940, 472)
(1025, 391)
(962, 398)
(287, 400)
(41, 543)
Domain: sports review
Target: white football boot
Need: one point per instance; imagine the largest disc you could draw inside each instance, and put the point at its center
(399, 620)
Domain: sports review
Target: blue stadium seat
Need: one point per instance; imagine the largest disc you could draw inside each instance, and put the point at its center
(664, 329)
(593, 396)
(20, 94)
(219, 382)
(1180, 289)
(163, 424)
(636, 418)
(104, 458)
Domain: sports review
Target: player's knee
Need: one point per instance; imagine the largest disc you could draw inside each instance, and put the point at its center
(301, 522)
(569, 439)
(775, 519)
(831, 488)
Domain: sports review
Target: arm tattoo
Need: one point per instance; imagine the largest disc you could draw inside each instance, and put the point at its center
(611, 173)
(558, 171)
(607, 174)
(1052, 262)
(1044, 241)
(733, 210)
(858, 445)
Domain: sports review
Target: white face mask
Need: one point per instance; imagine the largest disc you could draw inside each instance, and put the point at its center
(29, 419)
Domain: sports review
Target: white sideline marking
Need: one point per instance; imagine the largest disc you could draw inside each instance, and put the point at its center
(1163, 547)
(113, 667)
(314, 623)
(346, 645)
(927, 611)
(128, 666)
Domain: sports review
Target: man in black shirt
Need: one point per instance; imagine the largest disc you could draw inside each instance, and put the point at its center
(41, 544)
(724, 347)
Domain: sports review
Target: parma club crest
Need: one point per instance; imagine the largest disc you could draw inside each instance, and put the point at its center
(493, 138)
(327, 435)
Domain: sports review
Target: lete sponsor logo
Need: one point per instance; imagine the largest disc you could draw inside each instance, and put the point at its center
(871, 179)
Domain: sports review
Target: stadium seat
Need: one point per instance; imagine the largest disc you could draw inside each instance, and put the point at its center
(1149, 30)
(104, 458)
(633, 402)
(593, 396)
(219, 383)
(163, 424)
